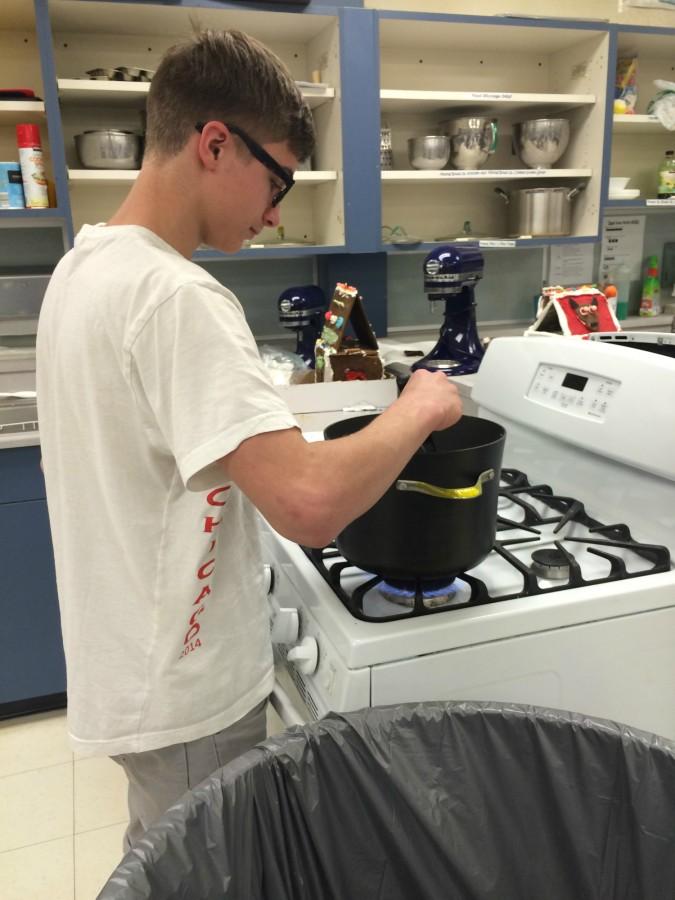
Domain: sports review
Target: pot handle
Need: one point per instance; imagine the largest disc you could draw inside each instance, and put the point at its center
(575, 190)
(465, 493)
(502, 193)
(493, 142)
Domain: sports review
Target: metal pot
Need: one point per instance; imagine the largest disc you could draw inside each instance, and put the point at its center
(540, 211)
(439, 517)
(109, 149)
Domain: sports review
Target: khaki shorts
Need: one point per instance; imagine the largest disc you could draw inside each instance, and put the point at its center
(157, 778)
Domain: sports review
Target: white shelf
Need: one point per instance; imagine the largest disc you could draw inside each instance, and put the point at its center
(127, 176)
(637, 125)
(408, 176)
(89, 92)
(486, 101)
(13, 111)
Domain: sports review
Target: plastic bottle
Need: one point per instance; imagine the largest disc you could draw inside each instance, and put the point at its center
(32, 163)
(610, 291)
(622, 283)
(650, 304)
(667, 176)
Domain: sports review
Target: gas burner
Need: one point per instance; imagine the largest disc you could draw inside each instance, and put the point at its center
(434, 593)
(514, 569)
(550, 563)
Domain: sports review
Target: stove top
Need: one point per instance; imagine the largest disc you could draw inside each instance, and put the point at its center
(545, 543)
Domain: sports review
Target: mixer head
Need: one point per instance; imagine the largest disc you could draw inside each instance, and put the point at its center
(449, 269)
(300, 307)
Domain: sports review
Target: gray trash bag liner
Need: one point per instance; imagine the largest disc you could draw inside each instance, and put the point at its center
(473, 801)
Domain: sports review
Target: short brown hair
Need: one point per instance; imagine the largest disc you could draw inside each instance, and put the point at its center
(230, 77)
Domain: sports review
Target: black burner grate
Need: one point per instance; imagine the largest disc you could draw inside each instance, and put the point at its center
(518, 490)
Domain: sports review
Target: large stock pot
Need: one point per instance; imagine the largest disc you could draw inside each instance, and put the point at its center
(439, 517)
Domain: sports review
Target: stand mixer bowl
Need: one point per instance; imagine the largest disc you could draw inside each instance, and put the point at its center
(541, 142)
(472, 140)
(429, 152)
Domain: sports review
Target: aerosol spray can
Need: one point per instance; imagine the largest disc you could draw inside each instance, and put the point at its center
(32, 166)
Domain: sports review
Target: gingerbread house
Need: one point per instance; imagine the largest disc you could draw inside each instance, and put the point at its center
(342, 357)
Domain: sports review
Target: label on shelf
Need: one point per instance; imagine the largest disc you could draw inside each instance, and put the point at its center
(490, 95)
(496, 243)
(495, 173)
(670, 201)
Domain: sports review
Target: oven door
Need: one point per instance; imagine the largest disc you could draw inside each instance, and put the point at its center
(621, 669)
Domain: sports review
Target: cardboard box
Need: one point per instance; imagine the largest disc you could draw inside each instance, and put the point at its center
(317, 405)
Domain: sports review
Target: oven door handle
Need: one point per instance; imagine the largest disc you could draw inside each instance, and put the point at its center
(283, 706)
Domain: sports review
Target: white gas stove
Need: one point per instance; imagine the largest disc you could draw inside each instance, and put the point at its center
(575, 606)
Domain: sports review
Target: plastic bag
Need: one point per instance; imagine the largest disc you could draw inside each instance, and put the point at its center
(427, 801)
(663, 104)
(284, 367)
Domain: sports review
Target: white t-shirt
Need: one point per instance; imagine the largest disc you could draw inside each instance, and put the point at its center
(147, 374)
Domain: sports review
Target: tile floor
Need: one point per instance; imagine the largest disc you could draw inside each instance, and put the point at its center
(62, 817)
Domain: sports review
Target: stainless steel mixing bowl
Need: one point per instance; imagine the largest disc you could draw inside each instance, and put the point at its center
(109, 149)
(472, 140)
(541, 142)
(429, 152)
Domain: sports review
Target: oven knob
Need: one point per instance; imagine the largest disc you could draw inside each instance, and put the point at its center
(268, 579)
(285, 625)
(305, 655)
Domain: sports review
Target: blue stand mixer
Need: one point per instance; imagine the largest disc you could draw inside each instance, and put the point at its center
(450, 273)
(302, 309)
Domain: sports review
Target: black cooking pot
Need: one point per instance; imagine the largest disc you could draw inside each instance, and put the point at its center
(439, 517)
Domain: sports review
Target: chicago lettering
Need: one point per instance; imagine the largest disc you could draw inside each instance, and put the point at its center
(204, 572)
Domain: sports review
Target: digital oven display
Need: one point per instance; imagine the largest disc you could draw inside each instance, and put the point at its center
(576, 382)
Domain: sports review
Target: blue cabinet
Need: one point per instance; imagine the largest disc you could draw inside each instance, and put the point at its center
(32, 667)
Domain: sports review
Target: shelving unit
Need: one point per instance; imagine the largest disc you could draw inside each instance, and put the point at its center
(626, 124)
(490, 103)
(128, 176)
(20, 67)
(14, 111)
(436, 68)
(450, 176)
(639, 141)
(85, 92)
(90, 35)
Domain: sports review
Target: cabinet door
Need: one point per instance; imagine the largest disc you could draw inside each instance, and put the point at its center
(20, 475)
(31, 661)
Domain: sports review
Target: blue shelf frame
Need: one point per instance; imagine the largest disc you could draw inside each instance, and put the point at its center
(53, 113)
(28, 214)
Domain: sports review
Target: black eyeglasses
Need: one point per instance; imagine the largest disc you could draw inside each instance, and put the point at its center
(262, 156)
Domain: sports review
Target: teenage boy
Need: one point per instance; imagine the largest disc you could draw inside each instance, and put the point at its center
(162, 434)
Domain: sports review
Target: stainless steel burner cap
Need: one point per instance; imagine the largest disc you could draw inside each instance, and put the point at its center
(550, 563)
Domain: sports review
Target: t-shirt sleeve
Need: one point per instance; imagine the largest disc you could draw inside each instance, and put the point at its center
(196, 369)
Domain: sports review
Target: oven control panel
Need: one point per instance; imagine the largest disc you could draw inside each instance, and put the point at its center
(573, 391)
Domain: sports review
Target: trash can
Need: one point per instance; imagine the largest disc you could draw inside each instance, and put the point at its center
(428, 801)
